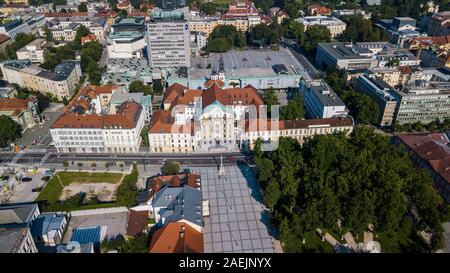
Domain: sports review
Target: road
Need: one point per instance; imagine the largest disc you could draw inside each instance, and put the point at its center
(42, 157)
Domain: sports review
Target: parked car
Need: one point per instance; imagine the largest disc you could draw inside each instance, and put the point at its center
(26, 179)
(229, 157)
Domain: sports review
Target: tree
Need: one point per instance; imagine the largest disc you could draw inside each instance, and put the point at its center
(81, 32)
(82, 8)
(170, 167)
(264, 35)
(208, 8)
(265, 5)
(313, 35)
(361, 179)
(272, 194)
(137, 244)
(157, 86)
(362, 107)
(140, 87)
(360, 30)
(270, 98)
(123, 13)
(294, 109)
(224, 37)
(9, 130)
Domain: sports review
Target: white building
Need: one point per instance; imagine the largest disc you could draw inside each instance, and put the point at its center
(335, 25)
(127, 38)
(214, 120)
(321, 101)
(34, 51)
(93, 133)
(168, 39)
(65, 28)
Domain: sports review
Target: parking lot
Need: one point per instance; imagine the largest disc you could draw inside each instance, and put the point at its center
(237, 222)
(23, 191)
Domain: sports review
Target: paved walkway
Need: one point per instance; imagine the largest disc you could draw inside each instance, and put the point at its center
(238, 221)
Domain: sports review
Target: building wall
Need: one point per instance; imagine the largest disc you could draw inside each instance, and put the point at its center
(27, 244)
(423, 108)
(125, 50)
(169, 44)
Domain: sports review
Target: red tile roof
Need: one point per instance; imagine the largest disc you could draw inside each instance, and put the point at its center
(13, 104)
(432, 148)
(163, 123)
(177, 238)
(137, 222)
(266, 124)
(177, 180)
(4, 38)
(126, 118)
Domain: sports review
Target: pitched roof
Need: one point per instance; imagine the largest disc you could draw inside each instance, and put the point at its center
(137, 222)
(11, 239)
(177, 238)
(177, 180)
(17, 215)
(266, 124)
(13, 104)
(432, 148)
(163, 123)
(4, 38)
(127, 118)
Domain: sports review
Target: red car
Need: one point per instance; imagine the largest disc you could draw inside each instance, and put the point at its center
(229, 157)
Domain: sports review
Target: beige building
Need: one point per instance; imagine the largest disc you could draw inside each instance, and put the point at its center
(207, 24)
(390, 76)
(334, 25)
(34, 51)
(61, 82)
(25, 2)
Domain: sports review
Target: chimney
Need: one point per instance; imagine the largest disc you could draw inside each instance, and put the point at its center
(182, 231)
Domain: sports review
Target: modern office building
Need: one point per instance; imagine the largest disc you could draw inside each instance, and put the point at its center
(344, 56)
(333, 24)
(59, 82)
(321, 101)
(127, 38)
(168, 39)
(423, 101)
(381, 93)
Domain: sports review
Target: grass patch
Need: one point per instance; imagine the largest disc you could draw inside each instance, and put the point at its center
(84, 177)
(52, 191)
(222, 2)
(400, 242)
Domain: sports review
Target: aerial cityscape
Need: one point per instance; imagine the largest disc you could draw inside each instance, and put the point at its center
(224, 126)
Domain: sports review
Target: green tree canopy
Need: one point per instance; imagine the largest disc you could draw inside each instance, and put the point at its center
(9, 130)
(225, 37)
(138, 87)
(170, 167)
(82, 7)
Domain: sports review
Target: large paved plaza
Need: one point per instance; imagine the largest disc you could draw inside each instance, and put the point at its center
(237, 221)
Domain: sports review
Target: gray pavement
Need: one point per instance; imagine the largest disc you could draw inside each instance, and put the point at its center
(41, 133)
(238, 221)
(23, 190)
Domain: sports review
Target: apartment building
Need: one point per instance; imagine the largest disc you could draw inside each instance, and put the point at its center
(423, 101)
(206, 24)
(127, 38)
(168, 39)
(214, 119)
(34, 51)
(381, 93)
(23, 111)
(98, 133)
(59, 82)
(333, 24)
(92, 124)
(321, 101)
(439, 24)
(389, 75)
(65, 28)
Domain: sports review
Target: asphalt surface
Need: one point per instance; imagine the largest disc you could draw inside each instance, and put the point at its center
(42, 157)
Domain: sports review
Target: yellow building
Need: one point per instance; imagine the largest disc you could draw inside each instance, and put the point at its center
(207, 24)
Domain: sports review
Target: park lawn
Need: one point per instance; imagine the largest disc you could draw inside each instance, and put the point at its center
(315, 245)
(52, 191)
(400, 242)
(85, 177)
